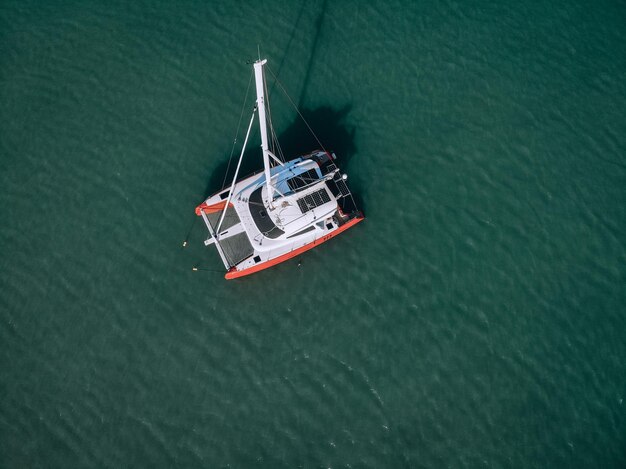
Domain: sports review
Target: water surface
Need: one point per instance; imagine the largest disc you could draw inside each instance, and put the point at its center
(475, 319)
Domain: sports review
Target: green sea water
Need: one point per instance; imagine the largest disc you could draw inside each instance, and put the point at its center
(476, 318)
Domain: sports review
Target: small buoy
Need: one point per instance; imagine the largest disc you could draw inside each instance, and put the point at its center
(184, 243)
(194, 268)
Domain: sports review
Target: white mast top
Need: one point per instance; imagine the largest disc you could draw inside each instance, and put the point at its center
(260, 99)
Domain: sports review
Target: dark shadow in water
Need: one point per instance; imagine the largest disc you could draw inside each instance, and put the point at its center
(328, 124)
(309, 67)
(331, 129)
(295, 28)
(316, 36)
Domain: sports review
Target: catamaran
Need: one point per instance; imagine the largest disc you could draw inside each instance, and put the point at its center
(282, 211)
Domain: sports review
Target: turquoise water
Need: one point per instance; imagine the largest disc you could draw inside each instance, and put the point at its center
(475, 319)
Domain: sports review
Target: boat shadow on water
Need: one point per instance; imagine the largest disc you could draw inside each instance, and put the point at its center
(331, 128)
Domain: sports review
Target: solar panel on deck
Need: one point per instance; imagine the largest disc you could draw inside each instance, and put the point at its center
(343, 187)
(313, 200)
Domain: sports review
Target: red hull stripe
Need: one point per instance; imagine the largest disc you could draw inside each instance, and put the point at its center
(234, 273)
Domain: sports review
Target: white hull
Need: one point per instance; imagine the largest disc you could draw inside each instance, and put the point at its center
(290, 207)
(286, 225)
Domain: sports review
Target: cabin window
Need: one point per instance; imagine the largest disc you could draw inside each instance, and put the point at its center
(301, 232)
(301, 180)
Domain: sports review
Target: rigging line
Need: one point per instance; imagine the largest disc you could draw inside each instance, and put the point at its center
(296, 108)
(279, 152)
(353, 202)
(232, 187)
(232, 150)
(278, 147)
(274, 140)
(196, 269)
(268, 112)
(193, 223)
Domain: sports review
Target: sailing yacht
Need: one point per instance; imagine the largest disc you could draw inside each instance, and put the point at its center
(280, 212)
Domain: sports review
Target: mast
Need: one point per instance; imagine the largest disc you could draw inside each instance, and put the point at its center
(260, 99)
